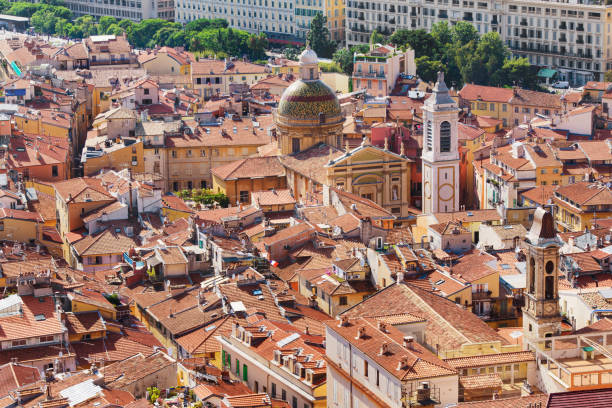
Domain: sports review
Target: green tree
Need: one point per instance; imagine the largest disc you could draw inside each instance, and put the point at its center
(22, 9)
(442, 33)
(427, 69)
(141, 33)
(203, 24)
(163, 35)
(344, 58)
(420, 41)
(114, 29)
(44, 21)
(377, 38)
(319, 38)
(105, 23)
(463, 33)
(608, 74)
(518, 71)
(87, 26)
(154, 394)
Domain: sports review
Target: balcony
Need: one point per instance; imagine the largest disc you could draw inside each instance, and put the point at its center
(468, 17)
(524, 22)
(374, 75)
(442, 14)
(481, 295)
(563, 26)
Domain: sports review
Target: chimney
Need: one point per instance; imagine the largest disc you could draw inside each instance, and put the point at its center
(403, 363)
(225, 376)
(408, 342)
(384, 348)
(360, 333)
(400, 277)
(382, 326)
(343, 321)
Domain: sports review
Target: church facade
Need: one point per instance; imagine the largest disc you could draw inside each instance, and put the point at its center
(309, 131)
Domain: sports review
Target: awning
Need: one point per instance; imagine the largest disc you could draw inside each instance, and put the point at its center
(546, 73)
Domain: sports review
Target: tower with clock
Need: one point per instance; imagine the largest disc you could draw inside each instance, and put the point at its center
(541, 317)
(440, 156)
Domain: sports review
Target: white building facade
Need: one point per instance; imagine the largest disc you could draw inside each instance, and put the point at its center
(572, 36)
(135, 10)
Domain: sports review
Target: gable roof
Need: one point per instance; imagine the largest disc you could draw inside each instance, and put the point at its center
(82, 189)
(447, 322)
(105, 243)
(250, 167)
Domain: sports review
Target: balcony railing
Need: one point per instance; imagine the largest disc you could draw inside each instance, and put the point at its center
(358, 74)
(481, 295)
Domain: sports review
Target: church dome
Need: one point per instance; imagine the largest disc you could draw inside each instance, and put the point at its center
(308, 56)
(305, 100)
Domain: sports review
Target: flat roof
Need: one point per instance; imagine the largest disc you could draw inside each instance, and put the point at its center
(14, 18)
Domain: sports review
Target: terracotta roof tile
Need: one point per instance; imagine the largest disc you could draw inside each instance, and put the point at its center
(405, 363)
(273, 197)
(38, 317)
(250, 167)
(449, 324)
(516, 402)
(176, 203)
(491, 359)
(473, 92)
(475, 382)
(86, 322)
(13, 376)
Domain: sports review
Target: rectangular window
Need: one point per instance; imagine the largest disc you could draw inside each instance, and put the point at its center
(238, 367)
(54, 171)
(343, 301)
(273, 390)
(365, 368)
(245, 376)
(284, 395)
(244, 196)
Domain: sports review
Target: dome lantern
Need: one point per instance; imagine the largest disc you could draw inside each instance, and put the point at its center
(309, 65)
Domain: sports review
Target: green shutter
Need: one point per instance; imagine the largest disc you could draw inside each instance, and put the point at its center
(238, 367)
(223, 358)
(245, 376)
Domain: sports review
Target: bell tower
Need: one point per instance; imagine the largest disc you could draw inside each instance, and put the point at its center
(440, 155)
(541, 317)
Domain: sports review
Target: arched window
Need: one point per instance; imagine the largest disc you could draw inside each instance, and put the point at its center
(445, 137)
(429, 136)
(531, 275)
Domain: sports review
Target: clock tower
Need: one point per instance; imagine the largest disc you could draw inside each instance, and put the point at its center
(541, 317)
(440, 151)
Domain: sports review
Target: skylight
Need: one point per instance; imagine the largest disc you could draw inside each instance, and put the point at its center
(40, 317)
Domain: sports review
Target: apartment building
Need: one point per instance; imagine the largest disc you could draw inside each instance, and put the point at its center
(379, 69)
(124, 9)
(283, 21)
(571, 37)
(371, 363)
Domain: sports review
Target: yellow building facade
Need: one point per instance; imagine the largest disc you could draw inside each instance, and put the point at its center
(118, 157)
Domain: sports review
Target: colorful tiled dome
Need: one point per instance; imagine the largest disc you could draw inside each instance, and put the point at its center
(305, 100)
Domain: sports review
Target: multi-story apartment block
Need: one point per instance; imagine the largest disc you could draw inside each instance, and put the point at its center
(283, 21)
(571, 37)
(378, 70)
(135, 10)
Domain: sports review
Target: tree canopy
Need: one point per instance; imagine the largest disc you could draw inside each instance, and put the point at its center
(319, 38)
(465, 56)
(212, 37)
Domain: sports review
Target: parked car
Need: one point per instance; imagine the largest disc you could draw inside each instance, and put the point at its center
(561, 85)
